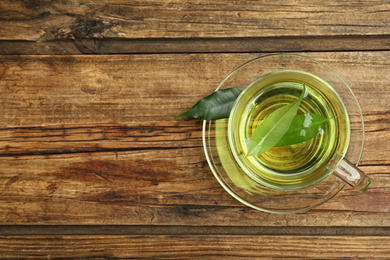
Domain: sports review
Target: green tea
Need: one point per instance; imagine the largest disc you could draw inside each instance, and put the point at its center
(293, 166)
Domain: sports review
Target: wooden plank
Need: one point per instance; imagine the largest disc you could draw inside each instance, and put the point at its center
(110, 89)
(196, 247)
(45, 20)
(92, 140)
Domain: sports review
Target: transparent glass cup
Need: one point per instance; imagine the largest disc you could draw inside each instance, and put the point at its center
(231, 168)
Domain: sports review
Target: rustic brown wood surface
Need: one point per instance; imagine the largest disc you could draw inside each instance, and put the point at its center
(93, 163)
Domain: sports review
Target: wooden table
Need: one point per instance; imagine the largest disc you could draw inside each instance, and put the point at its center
(93, 163)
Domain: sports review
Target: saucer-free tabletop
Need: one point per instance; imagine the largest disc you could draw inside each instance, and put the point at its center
(94, 164)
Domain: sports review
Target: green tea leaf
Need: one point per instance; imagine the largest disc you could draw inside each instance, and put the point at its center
(303, 128)
(215, 106)
(272, 129)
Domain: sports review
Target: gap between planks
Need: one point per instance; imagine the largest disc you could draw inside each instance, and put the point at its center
(17, 230)
(199, 45)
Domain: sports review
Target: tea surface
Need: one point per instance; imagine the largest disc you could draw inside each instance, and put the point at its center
(293, 166)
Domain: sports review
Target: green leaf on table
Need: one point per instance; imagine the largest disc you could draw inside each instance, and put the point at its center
(215, 106)
(272, 129)
(303, 128)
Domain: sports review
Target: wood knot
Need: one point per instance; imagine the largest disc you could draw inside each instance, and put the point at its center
(85, 27)
(94, 81)
(88, 28)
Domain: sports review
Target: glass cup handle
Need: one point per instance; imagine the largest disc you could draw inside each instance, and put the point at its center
(353, 176)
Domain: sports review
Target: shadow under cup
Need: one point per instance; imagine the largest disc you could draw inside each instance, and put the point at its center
(295, 166)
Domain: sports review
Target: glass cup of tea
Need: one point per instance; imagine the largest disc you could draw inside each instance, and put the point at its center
(296, 177)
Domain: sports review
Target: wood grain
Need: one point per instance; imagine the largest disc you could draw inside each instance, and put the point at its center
(92, 140)
(70, 27)
(196, 247)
